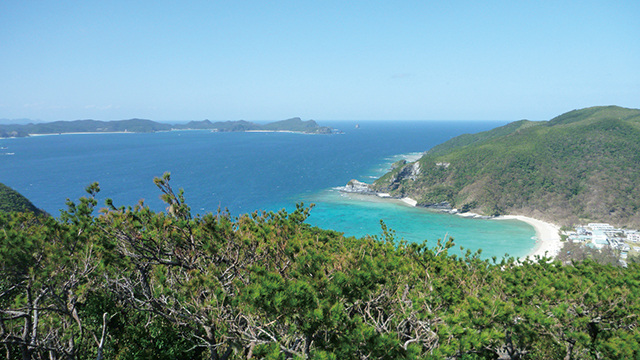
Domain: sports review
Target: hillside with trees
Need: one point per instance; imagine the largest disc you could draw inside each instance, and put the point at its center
(146, 126)
(131, 283)
(224, 126)
(13, 201)
(294, 124)
(582, 166)
(61, 127)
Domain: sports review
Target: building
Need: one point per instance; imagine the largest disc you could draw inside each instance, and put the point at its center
(601, 226)
(599, 239)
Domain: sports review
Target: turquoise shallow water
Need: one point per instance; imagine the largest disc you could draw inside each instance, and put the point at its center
(359, 215)
(244, 172)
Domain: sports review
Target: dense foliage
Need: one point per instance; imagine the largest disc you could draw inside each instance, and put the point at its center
(580, 167)
(131, 283)
(11, 200)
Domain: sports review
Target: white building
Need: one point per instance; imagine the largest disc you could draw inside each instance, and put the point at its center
(633, 237)
(600, 226)
(599, 239)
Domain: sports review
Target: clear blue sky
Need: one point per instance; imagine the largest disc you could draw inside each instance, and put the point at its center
(323, 60)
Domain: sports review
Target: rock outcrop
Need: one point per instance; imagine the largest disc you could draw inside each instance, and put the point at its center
(408, 171)
(355, 186)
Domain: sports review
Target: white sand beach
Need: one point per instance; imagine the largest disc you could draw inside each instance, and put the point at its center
(409, 201)
(548, 239)
(283, 131)
(87, 133)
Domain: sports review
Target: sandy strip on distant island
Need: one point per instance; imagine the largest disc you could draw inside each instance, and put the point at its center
(548, 239)
(87, 133)
(283, 131)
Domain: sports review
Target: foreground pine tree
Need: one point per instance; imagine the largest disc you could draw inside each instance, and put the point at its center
(131, 283)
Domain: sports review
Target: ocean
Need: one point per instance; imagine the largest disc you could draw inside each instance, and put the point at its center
(245, 172)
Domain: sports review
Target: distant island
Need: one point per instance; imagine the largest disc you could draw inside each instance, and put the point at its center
(146, 126)
(293, 125)
(580, 167)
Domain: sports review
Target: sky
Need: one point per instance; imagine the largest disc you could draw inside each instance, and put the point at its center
(322, 60)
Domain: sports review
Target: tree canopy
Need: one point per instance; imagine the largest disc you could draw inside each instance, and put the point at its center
(11, 200)
(131, 283)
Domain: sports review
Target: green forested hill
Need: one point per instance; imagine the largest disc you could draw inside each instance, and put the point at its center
(470, 139)
(131, 283)
(239, 125)
(578, 167)
(139, 125)
(59, 127)
(11, 200)
(296, 124)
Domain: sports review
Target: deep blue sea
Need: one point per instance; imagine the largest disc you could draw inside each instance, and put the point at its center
(244, 172)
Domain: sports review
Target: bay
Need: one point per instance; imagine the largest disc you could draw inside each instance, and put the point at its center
(244, 172)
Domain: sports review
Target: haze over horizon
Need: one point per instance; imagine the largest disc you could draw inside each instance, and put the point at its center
(253, 60)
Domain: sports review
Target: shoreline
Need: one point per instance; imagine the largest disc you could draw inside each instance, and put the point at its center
(86, 132)
(176, 130)
(547, 237)
(285, 131)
